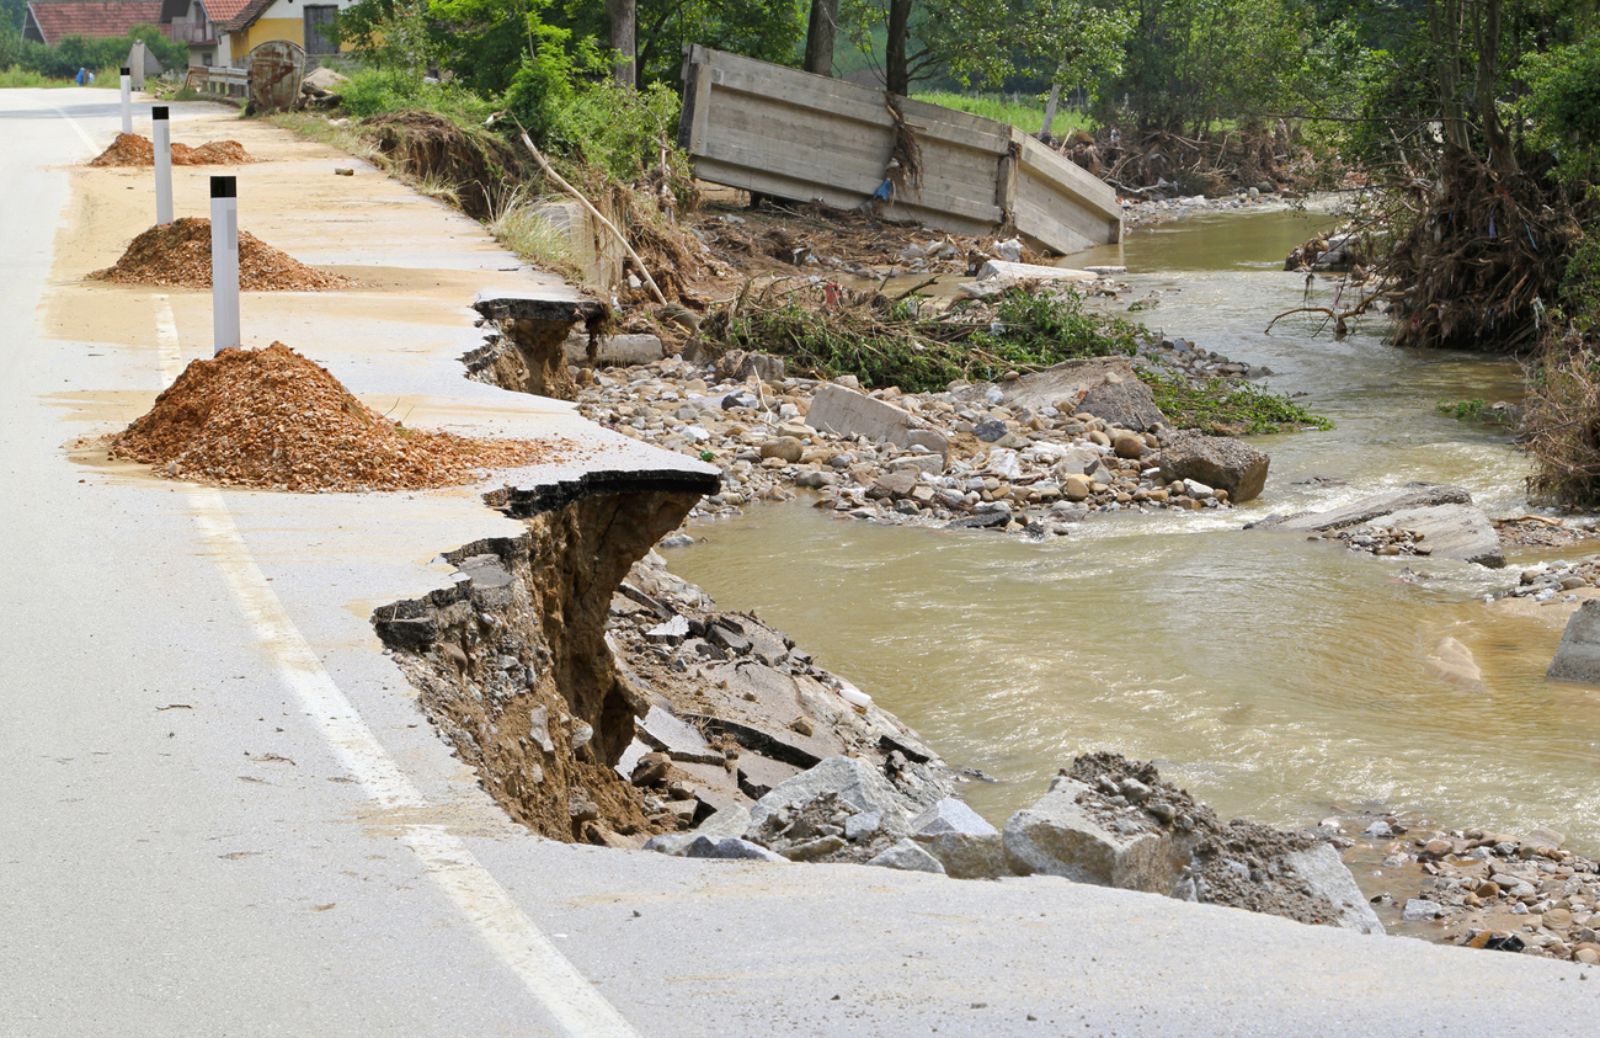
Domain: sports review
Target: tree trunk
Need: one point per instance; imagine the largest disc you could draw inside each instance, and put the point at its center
(1050, 112)
(819, 36)
(624, 17)
(1502, 156)
(898, 70)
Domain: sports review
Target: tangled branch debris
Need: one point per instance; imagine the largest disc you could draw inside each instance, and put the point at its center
(178, 254)
(272, 418)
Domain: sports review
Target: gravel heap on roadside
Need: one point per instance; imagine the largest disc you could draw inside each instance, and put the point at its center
(178, 255)
(272, 418)
(1009, 468)
(130, 149)
(1489, 890)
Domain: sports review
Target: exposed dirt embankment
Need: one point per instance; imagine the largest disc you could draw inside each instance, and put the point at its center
(513, 667)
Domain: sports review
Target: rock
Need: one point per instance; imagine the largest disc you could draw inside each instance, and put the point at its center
(677, 739)
(850, 781)
(731, 847)
(671, 632)
(1444, 517)
(842, 411)
(1216, 461)
(539, 728)
(1578, 656)
(763, 366)
(1418, 909)
(1056, 836)
(1326, 876)
(989, 430)
(893, 485)
(967, 846)
(908, 856)
(786, 448)
(1077, 487)
(1128, 445)
(1105, 387)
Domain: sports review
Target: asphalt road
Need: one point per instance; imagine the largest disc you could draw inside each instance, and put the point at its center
(222, 814)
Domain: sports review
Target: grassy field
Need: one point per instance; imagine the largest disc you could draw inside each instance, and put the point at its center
(21, 77)
(1026, 114)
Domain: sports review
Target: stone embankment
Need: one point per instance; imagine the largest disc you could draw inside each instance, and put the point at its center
(1033, 454)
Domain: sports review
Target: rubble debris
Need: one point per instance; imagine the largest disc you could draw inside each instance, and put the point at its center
(178, 255)
(131, 149)
(1489, 890)
(272, 418)
(1113, 821)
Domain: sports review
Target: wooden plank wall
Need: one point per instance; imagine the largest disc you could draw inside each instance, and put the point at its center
(761, 127)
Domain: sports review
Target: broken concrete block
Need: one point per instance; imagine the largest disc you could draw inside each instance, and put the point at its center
(731, 847)
(672, 632)
(623, 350)
(1006, 270)
(1325, 875)
(1216, 461)
(1056, 836)
(679, 740)
(1578, 656)
(845, 412)
(967, 846)
(908, 856)
(852, 782)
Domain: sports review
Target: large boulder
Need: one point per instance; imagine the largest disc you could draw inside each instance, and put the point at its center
(844, 809)
(1325, 876)
(1062, 834)
(1578, 656)
(964, 844)
(1220, 462)
(1106, 387)
(844, 412)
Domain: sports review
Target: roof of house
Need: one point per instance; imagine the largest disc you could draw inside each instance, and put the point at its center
(234, 15)
(58, 19)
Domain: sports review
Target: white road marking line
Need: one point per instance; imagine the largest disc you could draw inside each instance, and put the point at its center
(577, 1006)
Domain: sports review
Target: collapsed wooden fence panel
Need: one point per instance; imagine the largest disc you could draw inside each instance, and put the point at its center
(778, 131)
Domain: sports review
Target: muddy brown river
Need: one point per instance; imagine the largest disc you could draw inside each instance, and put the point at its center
(1277, 678)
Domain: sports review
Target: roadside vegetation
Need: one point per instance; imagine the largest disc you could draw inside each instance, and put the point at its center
(28, 63)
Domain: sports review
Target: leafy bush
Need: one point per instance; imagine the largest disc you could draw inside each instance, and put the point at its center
(374, 91)
(891, 343)
(1226, 406)
(1563, 106)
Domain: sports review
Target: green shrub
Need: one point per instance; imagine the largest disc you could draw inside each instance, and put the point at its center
(1226, 406)
(374, 91)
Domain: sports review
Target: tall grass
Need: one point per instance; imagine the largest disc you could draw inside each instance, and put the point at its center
(21, 77)
(516, 225)
(1026, 114)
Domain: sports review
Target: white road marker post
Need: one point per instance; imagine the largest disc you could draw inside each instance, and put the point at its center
(127, 100)
(224, 264)
(161, 136)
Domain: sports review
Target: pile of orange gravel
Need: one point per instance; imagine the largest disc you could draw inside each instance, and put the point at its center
(273, 419)
(178, 254)
(130, 149)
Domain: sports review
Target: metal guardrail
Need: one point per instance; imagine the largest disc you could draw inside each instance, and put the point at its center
(224, 82)
(778, 131)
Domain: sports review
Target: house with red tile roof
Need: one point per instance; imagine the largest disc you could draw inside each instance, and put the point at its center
(51, 21)
(222, 32)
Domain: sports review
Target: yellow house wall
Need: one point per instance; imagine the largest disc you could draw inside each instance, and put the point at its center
(264, 29)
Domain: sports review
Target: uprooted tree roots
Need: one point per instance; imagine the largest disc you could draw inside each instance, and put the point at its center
(1136, 163)
(1477, 258)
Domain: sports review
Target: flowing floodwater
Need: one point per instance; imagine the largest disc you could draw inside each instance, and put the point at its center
(1275, 677)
